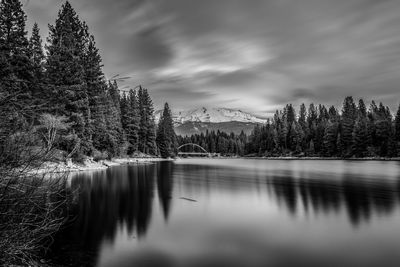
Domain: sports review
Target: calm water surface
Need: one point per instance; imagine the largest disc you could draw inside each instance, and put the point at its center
(235, 212)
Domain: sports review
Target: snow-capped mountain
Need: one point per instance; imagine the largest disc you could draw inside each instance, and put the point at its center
(212, 119)
(212, 115)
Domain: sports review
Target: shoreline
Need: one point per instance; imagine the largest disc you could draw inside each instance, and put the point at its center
(90, 165)
(325, 158)
(306, 158)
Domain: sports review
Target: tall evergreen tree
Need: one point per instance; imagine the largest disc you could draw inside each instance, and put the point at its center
(312, 122)
(115, 94)
(113, 119)
(349, 114)
(14, 57)
(37, 58)
(330, 139)
(36, 52)
(95, 84)
(66, 75)
(302, 115)
(362, 110)
(132, 122)
(15, 67)
(383, 126)
(124, 106)
(360, 139)
(114, 125)
(166, 137)
(147, 135)
(397, 132)
(397, 124)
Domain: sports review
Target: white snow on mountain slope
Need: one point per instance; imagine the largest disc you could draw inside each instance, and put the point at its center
(212, 115)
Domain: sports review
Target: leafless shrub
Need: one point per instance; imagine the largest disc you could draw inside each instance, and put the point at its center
(32, 209)
(32, 206)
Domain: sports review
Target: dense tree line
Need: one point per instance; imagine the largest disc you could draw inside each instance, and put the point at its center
(319, 131)
(66, 84)
(216, 142)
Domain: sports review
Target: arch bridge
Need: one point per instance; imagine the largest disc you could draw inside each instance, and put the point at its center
(202, 153)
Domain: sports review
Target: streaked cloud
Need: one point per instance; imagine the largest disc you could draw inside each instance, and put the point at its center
(253, 55)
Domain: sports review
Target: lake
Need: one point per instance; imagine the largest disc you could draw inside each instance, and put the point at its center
(235, 212)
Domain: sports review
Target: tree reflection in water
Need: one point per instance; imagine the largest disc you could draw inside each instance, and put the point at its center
(105, 201)
(362, 199)
(122, 198)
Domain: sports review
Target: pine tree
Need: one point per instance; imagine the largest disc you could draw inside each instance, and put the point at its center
(323, 117)
(362, 110)
(360, 139)
(349, 113)
(151, 128)
(99, 124)
(14, 56)
(294, 137)
(37, 58)
(95, 86)
(113, 119)
(36, 53)
(302, 115)
(124, 106)
(284, 133)
(312, 148)
(66, 75)
(108, 133)
(147, 136)
(15, 67)
(166, 137)
(330, 139)
(114, 93)
(143, 121)
(290, 114)
(397, 132)
(132, 121)
(114, 126)
(383, 125)
(312, 122)
(303, 124)
(339, 143)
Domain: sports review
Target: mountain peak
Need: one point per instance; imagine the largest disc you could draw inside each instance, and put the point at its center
(212, 115)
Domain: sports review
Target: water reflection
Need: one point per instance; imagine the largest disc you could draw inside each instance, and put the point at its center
(127, 199)
(106, 201)
(165, 186)
(362, 199)
(114, 199)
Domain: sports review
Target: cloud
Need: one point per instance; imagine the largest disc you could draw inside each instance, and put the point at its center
(302, 93)
(186, 98)
(254, 56)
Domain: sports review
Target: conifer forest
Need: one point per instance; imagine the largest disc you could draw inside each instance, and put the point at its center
(354, 131)
(62, 89)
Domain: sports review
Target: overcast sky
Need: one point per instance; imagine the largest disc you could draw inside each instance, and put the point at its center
(255, 55)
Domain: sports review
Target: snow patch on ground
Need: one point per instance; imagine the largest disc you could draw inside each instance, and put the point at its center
(89, 165)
